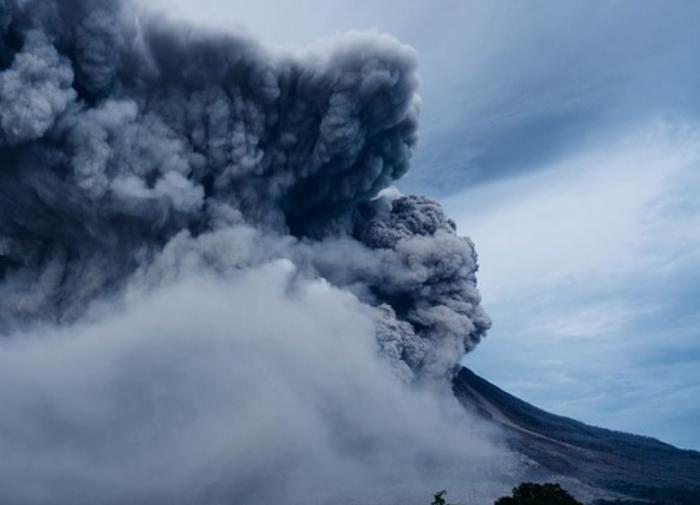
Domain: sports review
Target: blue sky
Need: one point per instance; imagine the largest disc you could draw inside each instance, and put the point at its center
(564, 137)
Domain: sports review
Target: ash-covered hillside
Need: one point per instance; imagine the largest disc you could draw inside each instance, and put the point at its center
(588, 458)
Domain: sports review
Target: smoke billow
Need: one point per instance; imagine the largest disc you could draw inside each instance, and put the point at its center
(205, 295)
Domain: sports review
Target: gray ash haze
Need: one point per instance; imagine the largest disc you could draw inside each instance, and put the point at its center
(205, 295)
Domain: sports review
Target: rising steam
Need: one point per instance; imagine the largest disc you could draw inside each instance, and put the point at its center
(199, 270)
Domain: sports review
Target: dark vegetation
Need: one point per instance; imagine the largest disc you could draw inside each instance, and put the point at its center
(529, 493)
(439, 498)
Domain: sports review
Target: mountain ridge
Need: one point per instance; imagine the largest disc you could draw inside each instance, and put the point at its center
(609, 465)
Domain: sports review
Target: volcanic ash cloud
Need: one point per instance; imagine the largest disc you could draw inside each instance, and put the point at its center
(202, 296)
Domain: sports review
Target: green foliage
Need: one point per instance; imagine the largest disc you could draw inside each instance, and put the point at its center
(529, 493)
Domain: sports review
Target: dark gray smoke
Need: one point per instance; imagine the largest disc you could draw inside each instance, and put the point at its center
(118, 132)
(428, 279)
(137, 155)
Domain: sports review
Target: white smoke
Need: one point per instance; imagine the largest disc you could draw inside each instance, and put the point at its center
(248, 386)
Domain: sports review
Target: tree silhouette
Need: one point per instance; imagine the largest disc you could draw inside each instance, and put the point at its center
(529, 493)
(439, 498)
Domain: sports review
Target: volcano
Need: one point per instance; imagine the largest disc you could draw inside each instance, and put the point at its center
(601, 466)
(212, 291)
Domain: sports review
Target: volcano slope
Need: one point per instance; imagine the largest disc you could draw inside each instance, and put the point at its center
(632, 468)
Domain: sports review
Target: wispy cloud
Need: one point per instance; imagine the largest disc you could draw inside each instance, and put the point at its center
(590, 268)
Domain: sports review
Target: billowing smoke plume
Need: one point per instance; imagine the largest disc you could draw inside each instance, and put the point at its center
(117, 133)
(227, 198)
